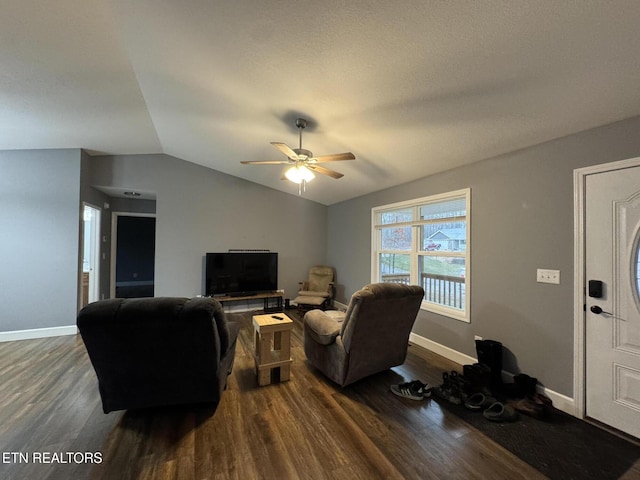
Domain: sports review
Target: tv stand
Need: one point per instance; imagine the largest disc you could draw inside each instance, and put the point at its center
(265, 296)
(243, 294)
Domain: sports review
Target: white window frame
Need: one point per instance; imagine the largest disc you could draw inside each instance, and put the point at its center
(415, 253)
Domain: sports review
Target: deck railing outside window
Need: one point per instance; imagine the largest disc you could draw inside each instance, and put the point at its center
(441, 289)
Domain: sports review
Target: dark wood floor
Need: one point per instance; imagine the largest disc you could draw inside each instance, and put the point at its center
(306, 428)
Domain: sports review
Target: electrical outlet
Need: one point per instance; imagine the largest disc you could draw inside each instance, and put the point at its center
(548, 276)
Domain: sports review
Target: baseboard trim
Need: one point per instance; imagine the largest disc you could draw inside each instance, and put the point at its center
(441, 350)
(38, 333)
(560, 401)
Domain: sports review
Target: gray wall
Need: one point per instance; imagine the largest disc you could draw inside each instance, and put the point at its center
(200, 210)
(39, 238)
(522, 219)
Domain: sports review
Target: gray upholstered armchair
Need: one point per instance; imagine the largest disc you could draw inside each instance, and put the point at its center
(371, 337)
(150, 352)
(318, 290)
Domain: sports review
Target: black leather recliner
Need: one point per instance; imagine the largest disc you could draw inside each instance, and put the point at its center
(150, 352)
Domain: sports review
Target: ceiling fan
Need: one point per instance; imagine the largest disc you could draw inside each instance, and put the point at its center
(303, 163)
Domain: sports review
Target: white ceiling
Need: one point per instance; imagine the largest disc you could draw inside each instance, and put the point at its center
(410, 87)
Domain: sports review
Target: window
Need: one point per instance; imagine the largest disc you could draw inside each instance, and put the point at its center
(426, 242)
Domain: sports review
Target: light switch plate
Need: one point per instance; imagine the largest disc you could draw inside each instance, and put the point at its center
(548, 276)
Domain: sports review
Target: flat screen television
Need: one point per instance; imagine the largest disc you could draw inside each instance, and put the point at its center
(241, 273)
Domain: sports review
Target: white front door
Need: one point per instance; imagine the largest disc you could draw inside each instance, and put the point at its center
(612, 317)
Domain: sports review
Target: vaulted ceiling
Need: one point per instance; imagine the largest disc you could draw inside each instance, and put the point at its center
(410, 87)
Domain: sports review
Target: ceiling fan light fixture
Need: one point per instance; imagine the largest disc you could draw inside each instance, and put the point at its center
(299, 174)
(302, 164)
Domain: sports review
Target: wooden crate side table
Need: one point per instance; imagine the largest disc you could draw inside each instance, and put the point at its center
(272, 346)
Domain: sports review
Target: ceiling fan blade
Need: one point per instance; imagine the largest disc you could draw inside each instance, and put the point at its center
(285, 149)
(334, 157)
(324, 171)
(265, 162)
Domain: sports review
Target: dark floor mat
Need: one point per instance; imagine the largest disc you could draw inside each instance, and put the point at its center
(562, 447)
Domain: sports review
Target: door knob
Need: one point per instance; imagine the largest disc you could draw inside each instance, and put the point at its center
(597, 310)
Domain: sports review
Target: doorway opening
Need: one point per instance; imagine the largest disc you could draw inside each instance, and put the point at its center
(90, 284)
(133, 255)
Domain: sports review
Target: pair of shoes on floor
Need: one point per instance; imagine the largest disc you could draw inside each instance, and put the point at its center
(479, 401)
(523, 386)
(452, 389)
(491, 409)
(415, 390)
(537, 405)
(500, 412)
(478, 375)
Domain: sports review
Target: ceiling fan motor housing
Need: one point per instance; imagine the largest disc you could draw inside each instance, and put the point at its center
(301, 123)
(303, 153)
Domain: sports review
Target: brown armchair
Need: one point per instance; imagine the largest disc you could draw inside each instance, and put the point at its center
(318, 290)
(372, 337)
